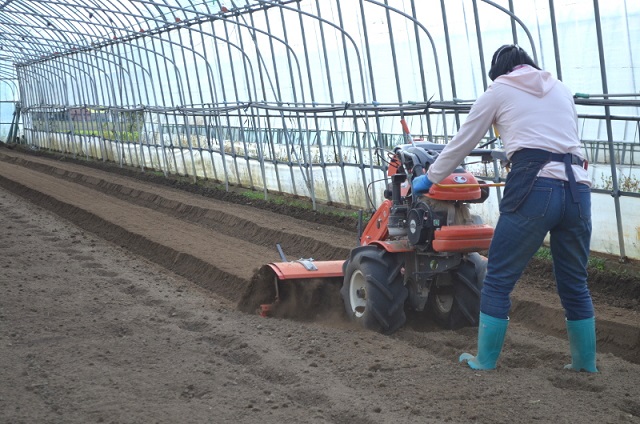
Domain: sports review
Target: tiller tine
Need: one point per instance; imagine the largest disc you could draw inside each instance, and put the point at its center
(295, 289)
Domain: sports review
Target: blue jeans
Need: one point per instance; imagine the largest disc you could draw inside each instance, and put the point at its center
(549, 208)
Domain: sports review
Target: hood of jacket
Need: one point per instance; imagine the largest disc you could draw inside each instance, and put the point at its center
(528, 79)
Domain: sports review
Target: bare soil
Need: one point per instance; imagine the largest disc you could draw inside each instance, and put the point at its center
(119, 304)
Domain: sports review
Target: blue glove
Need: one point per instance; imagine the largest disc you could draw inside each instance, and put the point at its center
(421, 184)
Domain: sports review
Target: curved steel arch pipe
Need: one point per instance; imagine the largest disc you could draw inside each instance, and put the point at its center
(249, 27)
(522, 25)
(360, 68)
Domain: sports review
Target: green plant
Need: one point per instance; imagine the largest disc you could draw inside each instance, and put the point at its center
(594, 262)
(353, 215)
(543, 253)
(301, 204)
(597, 263)
(254, 195)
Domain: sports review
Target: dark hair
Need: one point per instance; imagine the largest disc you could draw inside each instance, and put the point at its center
(508, 57)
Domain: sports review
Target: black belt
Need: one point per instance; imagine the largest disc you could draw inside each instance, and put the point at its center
(570, 159)
(576, 160)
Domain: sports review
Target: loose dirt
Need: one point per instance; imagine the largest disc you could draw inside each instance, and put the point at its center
(119, 304)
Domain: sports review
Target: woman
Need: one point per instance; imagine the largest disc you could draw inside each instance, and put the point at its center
(546, 191)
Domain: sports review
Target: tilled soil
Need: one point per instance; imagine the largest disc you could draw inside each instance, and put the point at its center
(120, 304)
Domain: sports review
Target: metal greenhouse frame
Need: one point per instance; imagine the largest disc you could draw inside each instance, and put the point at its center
(298, 96)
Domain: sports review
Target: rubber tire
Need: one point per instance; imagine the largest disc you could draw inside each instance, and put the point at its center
(464, 291)
(378, 271)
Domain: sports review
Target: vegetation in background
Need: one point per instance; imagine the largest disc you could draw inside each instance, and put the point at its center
(121, 125)
(304, 204)
(625, 183)
(595, 262)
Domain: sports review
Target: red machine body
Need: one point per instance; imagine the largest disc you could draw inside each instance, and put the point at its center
(420, 249)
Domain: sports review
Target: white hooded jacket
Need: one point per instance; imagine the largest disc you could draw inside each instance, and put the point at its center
(530, 109)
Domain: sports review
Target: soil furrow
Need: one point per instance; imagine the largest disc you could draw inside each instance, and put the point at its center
(188, 258)
(302, 239)
(214, 230)
(95, 327)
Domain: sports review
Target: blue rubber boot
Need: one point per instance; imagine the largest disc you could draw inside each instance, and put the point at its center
(491, 332)
(582, 343)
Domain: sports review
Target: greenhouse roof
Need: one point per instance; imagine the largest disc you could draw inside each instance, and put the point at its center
(33, 30)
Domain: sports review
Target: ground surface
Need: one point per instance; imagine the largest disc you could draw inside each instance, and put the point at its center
(119, 304)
